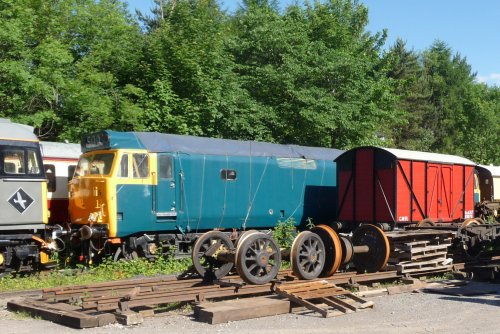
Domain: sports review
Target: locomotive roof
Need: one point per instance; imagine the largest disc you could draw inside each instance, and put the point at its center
(494, 170)
(161, 142)
(16, 131)
(60, 150)
(421, 156)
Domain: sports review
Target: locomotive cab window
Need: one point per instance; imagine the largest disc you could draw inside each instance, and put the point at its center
(228, 174)
(123, 169)
(98, 164)
(165, 164)
(140, 165)
(13, 162)
(50, 173)
(19, 162)
(33, 167)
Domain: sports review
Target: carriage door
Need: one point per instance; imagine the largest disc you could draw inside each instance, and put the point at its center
(433, 185)
(165, 190)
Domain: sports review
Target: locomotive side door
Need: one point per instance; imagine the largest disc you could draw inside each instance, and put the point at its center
(165, 205)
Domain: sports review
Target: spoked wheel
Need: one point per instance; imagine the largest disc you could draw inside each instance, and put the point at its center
(243, 236)
(258, 258)
(307, 255)
(378, 249)
(333, 249)
(472, 222)
(205, 252)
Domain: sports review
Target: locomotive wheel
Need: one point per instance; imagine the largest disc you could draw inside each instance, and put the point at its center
(333, 249)
(258, 258)
(472, 222)
(307, 255)
(125, 253)
(243, 236)
(379, 249)
(426, 222)
(204, 255)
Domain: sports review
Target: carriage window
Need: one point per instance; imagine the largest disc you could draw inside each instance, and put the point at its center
(123, 171)
(50, 173)
(13, 162)
(71, 172)
(140, 165)
(33, 167)
(228, 174)
(165, 167)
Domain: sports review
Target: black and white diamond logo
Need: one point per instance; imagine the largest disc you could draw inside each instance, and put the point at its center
(20, 200)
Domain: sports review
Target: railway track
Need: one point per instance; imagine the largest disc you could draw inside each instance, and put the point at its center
(98, 304)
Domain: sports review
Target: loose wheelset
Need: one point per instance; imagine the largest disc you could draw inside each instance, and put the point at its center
(256, 256)
(316, 253)
(368, 249)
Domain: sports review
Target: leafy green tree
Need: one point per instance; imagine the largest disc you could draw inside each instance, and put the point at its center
(64, 65)
(405, 68)
(189, 82)
(316, 71)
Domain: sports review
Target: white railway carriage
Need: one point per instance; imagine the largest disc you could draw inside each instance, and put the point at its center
(59, 162)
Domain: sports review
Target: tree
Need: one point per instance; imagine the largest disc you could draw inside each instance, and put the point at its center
(315, 71)
(64, 65)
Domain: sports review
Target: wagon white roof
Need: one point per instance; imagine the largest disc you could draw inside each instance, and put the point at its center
(426, 156)
(16, 131)
(494, 170)
(60, 150)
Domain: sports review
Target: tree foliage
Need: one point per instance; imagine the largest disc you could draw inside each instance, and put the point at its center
(309, 74)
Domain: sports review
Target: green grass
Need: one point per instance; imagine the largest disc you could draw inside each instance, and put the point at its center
(105, 271)
(25, 315)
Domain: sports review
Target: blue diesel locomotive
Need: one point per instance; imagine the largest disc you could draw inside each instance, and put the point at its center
(145, 194)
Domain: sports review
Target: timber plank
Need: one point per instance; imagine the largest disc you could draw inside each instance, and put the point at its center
(61, 313)
(241, 309)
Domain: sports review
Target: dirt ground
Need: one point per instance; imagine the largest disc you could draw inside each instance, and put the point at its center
(392, 314)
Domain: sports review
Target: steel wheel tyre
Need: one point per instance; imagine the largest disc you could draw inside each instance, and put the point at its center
(333, 249)
(204, 255)
(258, 258)
(472, 222)
(426, 222)
(244, 235)
(379, 249)
(307, 255)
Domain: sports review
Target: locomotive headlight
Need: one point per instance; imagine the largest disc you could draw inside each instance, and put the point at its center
(1, 259)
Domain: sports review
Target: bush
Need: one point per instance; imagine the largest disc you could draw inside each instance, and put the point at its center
(285, 232)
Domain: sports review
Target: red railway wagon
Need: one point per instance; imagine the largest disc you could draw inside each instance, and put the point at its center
(393, 186)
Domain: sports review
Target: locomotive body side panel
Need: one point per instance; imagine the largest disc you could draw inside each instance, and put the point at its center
(134, 190)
